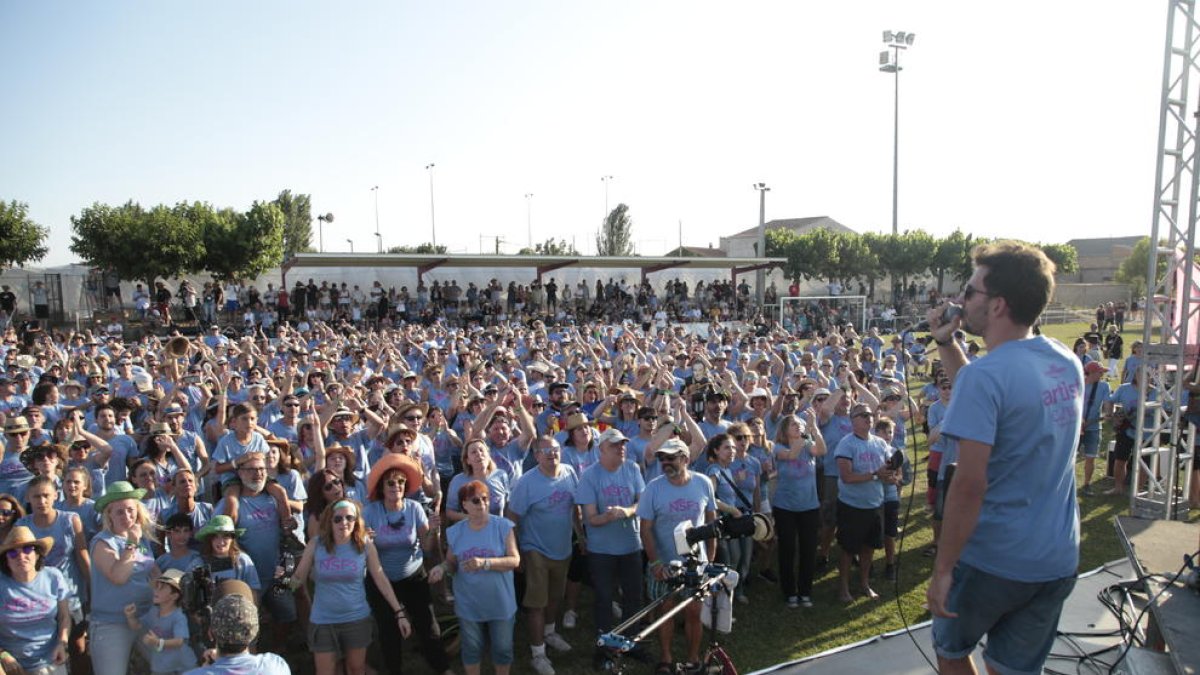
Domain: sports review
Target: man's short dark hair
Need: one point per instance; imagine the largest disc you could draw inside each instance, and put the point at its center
(1019, 273)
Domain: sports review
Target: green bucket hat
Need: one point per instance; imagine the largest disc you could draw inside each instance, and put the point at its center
(119, 490)
(219, 524)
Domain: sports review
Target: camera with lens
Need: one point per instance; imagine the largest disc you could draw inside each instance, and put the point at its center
(754, 525)
(197, 588)
(290, 550)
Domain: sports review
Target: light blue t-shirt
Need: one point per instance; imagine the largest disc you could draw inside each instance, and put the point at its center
(1126, 396)
(499, 486)
(259, 517)
(109, 599)
(29, 630)
(796, 482)
(173, 625)
(744, 473)
(1025, 400)
(833, 431)
(546, 508)
(482, 595)
(339, 595)
(668, 504)
(229, 449)
(605, 488)
(866, 455)
(245, 664)
(14, 477)
(62, 555)
(124, 448)
(397, 537)
(1091, 415)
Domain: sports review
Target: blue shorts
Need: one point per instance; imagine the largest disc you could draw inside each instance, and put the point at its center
(1089, 444)
(499, 631)
(1019, 618)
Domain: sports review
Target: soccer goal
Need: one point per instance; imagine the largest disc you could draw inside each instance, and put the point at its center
(798, 313)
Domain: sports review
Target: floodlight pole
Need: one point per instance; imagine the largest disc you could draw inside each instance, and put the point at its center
(432, 221)
(761, 245)
(895, 41)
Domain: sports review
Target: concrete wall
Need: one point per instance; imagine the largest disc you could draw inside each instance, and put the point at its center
(1090, 295)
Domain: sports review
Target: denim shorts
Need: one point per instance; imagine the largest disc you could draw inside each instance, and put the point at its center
(1089, 443)
(1019, 618)
(500, 632)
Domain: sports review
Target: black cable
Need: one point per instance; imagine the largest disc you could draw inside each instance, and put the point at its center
(912, 434)
(1129, 644)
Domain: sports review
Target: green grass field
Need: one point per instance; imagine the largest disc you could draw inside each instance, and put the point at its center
(767, 632)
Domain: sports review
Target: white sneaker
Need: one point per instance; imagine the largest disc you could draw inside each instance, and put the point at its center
(743, 599)
(617, 610)
(556, 641)
(542, 665)
(570, 618)
(793, 602)
(805, 601)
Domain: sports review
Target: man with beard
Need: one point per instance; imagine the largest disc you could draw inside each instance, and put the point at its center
(549, 421)
(258, 515)
(678, 495)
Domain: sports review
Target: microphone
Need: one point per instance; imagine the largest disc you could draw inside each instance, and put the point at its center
(949, 313)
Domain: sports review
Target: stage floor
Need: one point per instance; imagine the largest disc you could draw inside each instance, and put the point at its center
(1082, 613)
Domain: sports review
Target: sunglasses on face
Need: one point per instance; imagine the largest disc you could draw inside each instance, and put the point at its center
(969, 291)
(27, 549)
(394, 483)
(7, 513)
(291, 405)
(345, 518)
(665, 457)
(332, 485)
(740, 437)
(477, 501)
(413, 418)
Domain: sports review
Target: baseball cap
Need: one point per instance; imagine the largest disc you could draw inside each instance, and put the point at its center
(672, 446)
(612, 435)
(1093, 367)
(234, 620)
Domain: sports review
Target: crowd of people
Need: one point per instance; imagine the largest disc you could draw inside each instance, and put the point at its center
(355, 475)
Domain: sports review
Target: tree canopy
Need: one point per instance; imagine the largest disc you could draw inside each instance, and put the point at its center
(419, 248)
(169, 241)
(616, 234)
(297, 222)
(551, 246)
(846, 256)
(21, 240)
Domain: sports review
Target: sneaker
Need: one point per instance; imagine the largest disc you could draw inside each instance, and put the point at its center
(557, 642)
(793, 602)
(889, 572)
(570, 618)
(541, 664)
(805, 601)
(1087, 490)
(617, 613)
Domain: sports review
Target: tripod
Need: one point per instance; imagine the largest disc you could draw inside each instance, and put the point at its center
(696, 581)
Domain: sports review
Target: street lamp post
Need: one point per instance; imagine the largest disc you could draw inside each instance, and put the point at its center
(606, 180)
(890, 63)
(761, 245)
(351, 242)
(321, 220)
(529, 217)
(432, 221)
(378, 237)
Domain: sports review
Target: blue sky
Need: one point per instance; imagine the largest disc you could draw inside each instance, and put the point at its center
(1027, 119)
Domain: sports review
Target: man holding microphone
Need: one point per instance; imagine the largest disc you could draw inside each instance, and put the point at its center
(1009, 546)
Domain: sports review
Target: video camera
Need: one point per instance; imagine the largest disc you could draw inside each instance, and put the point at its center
(754, 525)
(290, 550)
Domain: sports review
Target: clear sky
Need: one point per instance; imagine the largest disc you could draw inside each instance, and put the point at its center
(1031, 119)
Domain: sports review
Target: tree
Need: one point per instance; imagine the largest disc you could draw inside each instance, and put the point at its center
(240, 245)
(297, 222)
(1133, 269)
(906, 255)
(853, 259)
(21, 239)
(616, 234)
(419, 248)
(953, 256)
(1064, 256)
(551, 246)
(812, 255)
(139, 244)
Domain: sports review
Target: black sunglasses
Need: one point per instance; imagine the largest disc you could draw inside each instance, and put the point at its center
(969, 291)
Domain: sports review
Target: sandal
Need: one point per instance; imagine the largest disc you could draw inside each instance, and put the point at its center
(664, 668)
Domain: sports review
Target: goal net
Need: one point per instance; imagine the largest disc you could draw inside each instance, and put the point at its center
(802, 313)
